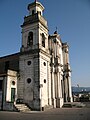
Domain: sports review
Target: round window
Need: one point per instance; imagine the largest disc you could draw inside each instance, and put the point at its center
(13, 82)
(29, 62)
(28, 80)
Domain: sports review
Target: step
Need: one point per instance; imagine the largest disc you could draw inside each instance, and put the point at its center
(22, 107)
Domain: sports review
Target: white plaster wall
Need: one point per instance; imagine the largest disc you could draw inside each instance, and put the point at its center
(36, 9)
(39, 9)
(30, 12)
(59, 51)
(43, 76)
(11, 77)
(8, 92)
(64, 57)
(49, 83)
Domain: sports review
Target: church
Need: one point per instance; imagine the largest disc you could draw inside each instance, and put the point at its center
(38, 76)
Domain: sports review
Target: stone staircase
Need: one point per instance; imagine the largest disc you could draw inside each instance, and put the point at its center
(22, 108)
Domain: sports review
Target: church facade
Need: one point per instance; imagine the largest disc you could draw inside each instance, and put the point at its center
(40, 73)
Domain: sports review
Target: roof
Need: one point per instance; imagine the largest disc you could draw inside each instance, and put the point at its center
(15, 55)
(35, 4)
(9, 62)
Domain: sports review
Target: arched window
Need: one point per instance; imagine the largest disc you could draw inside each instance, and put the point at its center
(43, 40)
(30, 39)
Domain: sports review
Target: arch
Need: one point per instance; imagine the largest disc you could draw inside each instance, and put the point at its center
(30, 39)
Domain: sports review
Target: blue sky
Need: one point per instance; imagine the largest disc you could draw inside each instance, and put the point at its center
(71, 17)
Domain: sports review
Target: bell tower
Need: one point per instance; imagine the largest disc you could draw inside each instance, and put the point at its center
(34, 62)
(34, 29)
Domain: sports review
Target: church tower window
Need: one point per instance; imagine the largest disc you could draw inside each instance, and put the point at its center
(30, 39)
(43, 40)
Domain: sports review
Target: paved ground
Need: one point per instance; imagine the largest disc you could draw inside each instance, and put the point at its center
(54, 114)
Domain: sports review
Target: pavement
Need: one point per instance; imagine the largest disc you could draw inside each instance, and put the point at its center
(52, 114)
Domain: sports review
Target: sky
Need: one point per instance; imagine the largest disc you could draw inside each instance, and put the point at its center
(72, 19)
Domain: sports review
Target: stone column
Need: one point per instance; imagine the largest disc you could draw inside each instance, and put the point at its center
(66, 90)
(49, 84)
(59, 91)
(56, 87)
(53, 90)
(69, 90)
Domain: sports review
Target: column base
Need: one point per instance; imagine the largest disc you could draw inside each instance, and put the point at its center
(59, 102)
(49, 101)
(54, 102)
(70, 99)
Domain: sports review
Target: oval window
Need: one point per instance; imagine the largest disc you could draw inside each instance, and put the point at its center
(29, 62)
(44, 80)
(28, 80)
(13, 82)
(44, 64)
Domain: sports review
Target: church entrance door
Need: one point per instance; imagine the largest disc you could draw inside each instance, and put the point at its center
(12, 94)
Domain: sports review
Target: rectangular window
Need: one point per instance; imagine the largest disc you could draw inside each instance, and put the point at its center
(43, 40)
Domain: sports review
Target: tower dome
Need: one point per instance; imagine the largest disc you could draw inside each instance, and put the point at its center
(35, 7)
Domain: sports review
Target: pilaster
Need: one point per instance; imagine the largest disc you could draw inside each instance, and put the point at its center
(59, 99)
(53, 90)
(49, 84)
(70, 90)
(36, 90)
